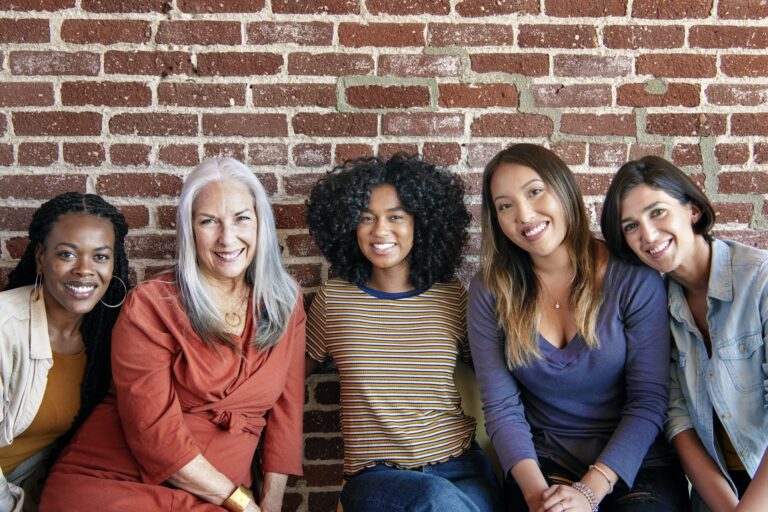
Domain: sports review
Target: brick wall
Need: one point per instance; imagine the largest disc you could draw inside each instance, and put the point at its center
(124, 97)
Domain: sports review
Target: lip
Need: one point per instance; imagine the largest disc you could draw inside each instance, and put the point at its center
(382, 248)
(80, 290)
(228, 256)
(534, 231)
(661, 249)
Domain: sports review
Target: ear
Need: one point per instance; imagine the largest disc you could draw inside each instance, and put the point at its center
(695, 212)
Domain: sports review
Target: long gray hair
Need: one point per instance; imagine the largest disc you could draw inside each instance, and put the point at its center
(274, 291)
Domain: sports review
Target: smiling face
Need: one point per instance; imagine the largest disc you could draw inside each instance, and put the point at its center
(658, 228)
(76, 261)
(385, 234)
(225, 229)
(528, 211)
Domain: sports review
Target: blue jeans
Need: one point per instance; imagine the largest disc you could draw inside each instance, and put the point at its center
(463, 484)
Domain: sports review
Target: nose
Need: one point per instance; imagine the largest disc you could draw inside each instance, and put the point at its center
(381, 227)
(226, 234)
(648, 231)
(524, 212)
(84, 267)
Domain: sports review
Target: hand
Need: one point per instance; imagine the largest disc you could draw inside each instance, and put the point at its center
(252, 507)
(560, 498)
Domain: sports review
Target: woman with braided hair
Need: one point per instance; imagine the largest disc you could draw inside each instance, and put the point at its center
(56, 318)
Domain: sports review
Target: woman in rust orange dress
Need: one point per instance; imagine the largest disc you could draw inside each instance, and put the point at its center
(205, 360)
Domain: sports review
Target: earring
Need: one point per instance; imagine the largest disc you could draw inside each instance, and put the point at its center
(38, 288)
(125, 291)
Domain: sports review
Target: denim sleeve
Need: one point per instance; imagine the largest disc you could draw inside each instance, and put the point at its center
(678, 418)
(504, 414)
(762, 280)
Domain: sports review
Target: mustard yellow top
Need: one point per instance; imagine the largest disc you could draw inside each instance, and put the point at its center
(732, 460)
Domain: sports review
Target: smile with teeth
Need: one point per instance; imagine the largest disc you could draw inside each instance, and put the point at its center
(80, 288)
(656, 250)
(230, 255)
(383, 248)
(535, 230)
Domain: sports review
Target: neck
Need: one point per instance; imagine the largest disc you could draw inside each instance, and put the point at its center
(63, 329)
(693, 272)
(556, 264)
(390, 280)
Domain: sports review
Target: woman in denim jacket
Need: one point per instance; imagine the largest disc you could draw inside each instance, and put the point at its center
(718, 300)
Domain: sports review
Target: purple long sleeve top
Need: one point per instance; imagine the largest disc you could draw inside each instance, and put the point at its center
(576, 406)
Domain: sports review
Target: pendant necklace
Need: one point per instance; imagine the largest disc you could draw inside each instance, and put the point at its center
(549, 294)
(233, 318)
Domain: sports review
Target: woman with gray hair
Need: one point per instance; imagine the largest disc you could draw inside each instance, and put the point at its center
(205, 359)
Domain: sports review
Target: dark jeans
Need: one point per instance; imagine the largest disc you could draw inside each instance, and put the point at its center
(661, 489)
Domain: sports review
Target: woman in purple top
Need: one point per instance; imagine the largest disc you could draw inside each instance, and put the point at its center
(571, 350)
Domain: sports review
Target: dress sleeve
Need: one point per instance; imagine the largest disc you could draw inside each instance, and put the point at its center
(502, 405)
(143, 352)
(464, 351)
(282, 443)
(646, 327)
(316, 347)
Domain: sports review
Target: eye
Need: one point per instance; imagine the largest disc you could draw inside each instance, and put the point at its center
(102, 257)
(395, 218)
(243, 218)
(66, 255)
(629, 226)
(657, 211)
(367, 219)
(207, 221)
(503, 206)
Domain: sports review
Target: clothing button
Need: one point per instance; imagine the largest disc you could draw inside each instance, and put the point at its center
(726, 417)
(745, 453)
(742, 347)
(709, 375)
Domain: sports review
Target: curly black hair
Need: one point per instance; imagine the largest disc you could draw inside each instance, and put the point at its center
(435, 198)
(97, 324)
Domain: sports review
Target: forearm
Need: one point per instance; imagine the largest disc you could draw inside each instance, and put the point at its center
(274, 489)
(600, 479)
(531, 481)
(200, 478)
(756, 497)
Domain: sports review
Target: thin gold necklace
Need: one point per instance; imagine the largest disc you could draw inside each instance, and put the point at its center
(233, 318)
(549, 294)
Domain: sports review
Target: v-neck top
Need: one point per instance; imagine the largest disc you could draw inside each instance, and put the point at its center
(577, 405)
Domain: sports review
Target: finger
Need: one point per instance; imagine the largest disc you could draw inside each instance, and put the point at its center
(551, 490)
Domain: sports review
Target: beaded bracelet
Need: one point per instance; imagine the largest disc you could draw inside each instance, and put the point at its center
(587, 493)
(605, 475)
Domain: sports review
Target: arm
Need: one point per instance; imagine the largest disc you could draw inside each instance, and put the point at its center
(317, 352)
(756, 497)
(203, 480)
(274, 489)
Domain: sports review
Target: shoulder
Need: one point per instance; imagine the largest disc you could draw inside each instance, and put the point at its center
(743, 256)
(15, 303)
(622, 273)
(449, 289)
(156, 293)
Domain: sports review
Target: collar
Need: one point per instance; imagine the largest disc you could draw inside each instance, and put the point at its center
(720, 286)
(39, 342)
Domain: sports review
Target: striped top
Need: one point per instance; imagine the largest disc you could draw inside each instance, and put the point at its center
(395, 354)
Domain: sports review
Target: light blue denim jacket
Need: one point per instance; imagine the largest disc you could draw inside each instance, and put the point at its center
(734, 381)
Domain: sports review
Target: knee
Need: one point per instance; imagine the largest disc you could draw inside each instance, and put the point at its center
(440, 495)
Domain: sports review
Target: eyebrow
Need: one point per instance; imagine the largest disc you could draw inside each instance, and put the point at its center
(521, 187)
(395, 209)
(649, 207)
(211, 215)
(75, 247)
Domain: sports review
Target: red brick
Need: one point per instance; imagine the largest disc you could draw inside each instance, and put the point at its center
(323, 475)
(314, 33)
(215, 6)
(419, 65)
(57, 123)
(138, 185)
(268, 153)
(478, 95)
(745, 65)
(605, 155)
(3, 124)
(442, 153)
(154, 247)
(677, 65)
(54, 63)
(733, 213)
(732, 154)
(15, 218)
(742, 182)
(686, 125)
(166, 217)
(245, 125)
(585, 8)
(26, 94)
(592, 66)
(490, 8)
(387, 150)
(635, 37)
(40, 186)
(718, 36)
(479, 154)
(322, 421)
(328, 393)
(153, 124)
(408, 7)
(38, 154)
(512, 125)
(238, 64)
(322, 501)
(324, 448)
(637, 151)
(315, 7)
(16, 246)
(749, 124)
(357, 35)
(594, 184)
(300, 184)
(742, 9)
(470, 34)
(671, 9)
(329, 64)
(105, 31)
(236, 151)
(595, 125)
(127, 6)
(346, 152)
(383, 97)
(572, 153)
(38, 5)
(108, 94)
(526, 64)
(293, 95)
(136, 216)
(148, 63)
(129, 154)
(736, 94)
(311, 155)
(24, 31)
(290, 216)
(676, 95)
(6, 155)
(423, 124)
(84, 154)
(686, 154)
(758, 239)
(293, 500)
(268, 181)
(557, 36)
(190, 32)
(564, 96)
(335, 124)
(181, 155)
(761, 153)
(185, 94)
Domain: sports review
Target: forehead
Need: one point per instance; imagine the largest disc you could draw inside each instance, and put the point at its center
(510, 174)
(384, 196)
(81, 228)
(642, 195)
(223, 196)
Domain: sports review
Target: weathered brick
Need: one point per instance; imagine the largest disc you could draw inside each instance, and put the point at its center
(594, 125)
(758, 239)
(322, 421)
(745, 65)
(329, 64)
(238, 64)
(54, 63)
(108, 94)
(268, 153)
(269, 182)
(148, 63)
(346, 152)
(512, 125)
(217, 6)
(742, 9)
(311, 155)
(604, 155)
(57, 123)
(479, 154)
(686, 125)
(290, 216)
(635, 37)
(686, 154)
(737, 94)
(84, 154)
(637, 151)
(185, 94)
(3, 124)
(572, 153)
(442, 153)
(357, 35)
(24, 30)
(387, 97)
(592, 66)
(38, 5)
(732, 153)
(749, 124)
(585, 8)
(245, 125)
(470, 34)
(315, 7)
(293, 95)
(180, 155)
(527, 64)
(564, 96)
(719, 36)
(422, 124)
(335, 124)
(477, 95)
(154, 247)
(302, 245)
(292, 500)
(6, 155)
(166, 217)
(408, 7)
(742, 182)
(419, 65)
(105, 31)
(129, 154)
(127, 6)
(324, 448)
(40, 186)
(190, 32)
(761, 153)
(557, 36)
(328, 393)
(594, 184)
(153, 124)
(490, 8)
(671, 9)
(138, 185)
(37, 154)
(136, 216)
(675, 95)
(313, 33)
(15, 218)
(733, 213)
(387, 150)
(677, 65)
(26, 94)
(232, 150)
(322, 501)
(323, 475)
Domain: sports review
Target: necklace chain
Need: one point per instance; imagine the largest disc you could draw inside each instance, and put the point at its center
(549, 294)
(233, 318)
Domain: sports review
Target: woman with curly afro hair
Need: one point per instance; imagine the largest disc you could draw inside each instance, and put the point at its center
(393, 318)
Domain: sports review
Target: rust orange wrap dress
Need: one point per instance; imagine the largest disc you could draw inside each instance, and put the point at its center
(174, 397)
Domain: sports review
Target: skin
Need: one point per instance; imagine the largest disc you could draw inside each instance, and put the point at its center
(76, 260)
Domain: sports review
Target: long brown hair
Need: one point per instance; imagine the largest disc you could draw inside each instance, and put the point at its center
(508, 270)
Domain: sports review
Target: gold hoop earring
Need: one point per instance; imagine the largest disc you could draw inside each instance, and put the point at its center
(125, 291)
(38, 288)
